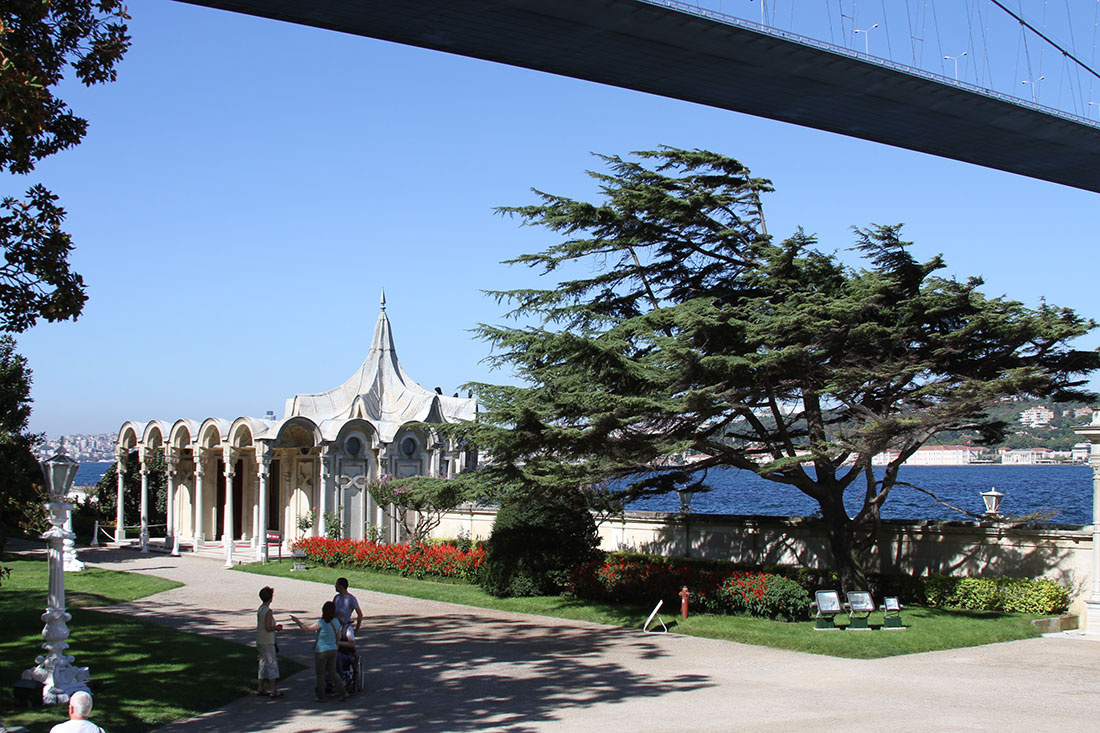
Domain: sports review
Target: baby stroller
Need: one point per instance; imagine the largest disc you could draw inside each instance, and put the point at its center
(348, 664)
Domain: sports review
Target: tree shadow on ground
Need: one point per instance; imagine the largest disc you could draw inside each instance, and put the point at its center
(459, 671)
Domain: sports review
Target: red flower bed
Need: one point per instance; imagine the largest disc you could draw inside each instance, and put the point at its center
(415, 560)
(714, 590)
(630, 580)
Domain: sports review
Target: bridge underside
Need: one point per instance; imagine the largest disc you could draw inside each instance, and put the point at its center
(630, 44)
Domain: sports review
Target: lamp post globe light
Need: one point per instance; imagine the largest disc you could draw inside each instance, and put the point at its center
(992, 499)
(55, 670)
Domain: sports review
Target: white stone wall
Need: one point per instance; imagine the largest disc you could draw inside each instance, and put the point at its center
(964, 548)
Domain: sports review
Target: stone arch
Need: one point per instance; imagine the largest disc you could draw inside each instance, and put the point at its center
(130, 434)
(241, 433)
(182, 434)
(360, 430)
(298, 432)
(154, 435)
(179, 455)
(410, 452)
(212, 433)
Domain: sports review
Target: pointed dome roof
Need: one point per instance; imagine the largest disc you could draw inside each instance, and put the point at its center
(382, 393)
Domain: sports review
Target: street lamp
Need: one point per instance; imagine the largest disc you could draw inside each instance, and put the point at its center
(1097, 105)
(866, 37)
(956, 60)
(992, 499)
(1034, 87)
(763, 9)
(55, 670)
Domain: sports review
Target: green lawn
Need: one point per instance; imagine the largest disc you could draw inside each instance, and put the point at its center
(928, 629)
(143, 675)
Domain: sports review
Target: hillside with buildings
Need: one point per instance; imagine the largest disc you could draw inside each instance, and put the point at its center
(82, 448)
(1038, 433)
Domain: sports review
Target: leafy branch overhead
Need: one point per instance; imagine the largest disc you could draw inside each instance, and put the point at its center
(40, 41)
(693, 329)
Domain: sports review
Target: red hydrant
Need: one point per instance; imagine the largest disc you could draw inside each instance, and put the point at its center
(684, 595)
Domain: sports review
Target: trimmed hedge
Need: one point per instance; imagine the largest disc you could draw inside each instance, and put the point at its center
(416, 560)
(1012, 595)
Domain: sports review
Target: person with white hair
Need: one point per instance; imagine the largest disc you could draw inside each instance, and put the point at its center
(80, 707)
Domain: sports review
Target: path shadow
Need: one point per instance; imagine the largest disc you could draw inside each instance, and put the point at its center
(460, 671)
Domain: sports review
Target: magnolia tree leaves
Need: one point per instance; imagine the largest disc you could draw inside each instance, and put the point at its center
(40, 41)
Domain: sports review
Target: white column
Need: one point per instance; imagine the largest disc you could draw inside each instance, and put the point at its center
(435, 453)
(360, 518)
(200, 476)
(172, 536)
(227, 527)
(71, 562)
(381, 515)
(263, 465)
(290, 533)
(120, 531)
(325, 490)
(144, 506)
(170, 499)
(1091, 433)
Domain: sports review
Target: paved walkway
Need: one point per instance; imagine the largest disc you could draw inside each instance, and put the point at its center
(441, 667)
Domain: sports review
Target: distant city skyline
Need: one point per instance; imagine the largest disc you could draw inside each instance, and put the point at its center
(248, 187)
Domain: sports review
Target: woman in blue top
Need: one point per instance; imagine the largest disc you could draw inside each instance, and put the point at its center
(324, 649)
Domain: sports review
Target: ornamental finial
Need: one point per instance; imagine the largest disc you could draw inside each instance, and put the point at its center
(383, 299)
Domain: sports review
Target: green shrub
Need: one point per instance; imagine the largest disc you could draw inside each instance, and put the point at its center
(538, 538)
(1012, 595)
(764, 595)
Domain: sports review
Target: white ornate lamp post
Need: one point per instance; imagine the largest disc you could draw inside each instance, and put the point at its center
(59, 678)
(1091, 433)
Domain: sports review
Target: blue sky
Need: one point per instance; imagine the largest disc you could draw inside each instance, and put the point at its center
(248, 187)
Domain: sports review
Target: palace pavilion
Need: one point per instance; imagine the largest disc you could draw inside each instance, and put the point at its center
(252, 478)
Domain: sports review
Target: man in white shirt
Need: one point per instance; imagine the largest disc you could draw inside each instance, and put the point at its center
(80, 707)
(345, 604)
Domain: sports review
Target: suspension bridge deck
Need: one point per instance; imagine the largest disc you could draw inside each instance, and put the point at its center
(651, 48)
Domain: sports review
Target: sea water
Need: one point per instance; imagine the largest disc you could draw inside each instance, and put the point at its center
(1027, 489)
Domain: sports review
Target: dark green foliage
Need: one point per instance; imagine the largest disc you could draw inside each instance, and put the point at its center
(538, 537)
(107, 491)
(689, 327)
(39, 42)
(21, 492)
(906, 588)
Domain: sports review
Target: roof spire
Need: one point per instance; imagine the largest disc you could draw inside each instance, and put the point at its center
(383, 300)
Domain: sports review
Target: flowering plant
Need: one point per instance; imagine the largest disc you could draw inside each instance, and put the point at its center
(713, 589)
(417, 560)
(419, 501)
(305, 521)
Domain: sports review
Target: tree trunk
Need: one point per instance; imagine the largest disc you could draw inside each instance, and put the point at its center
(840, 530)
